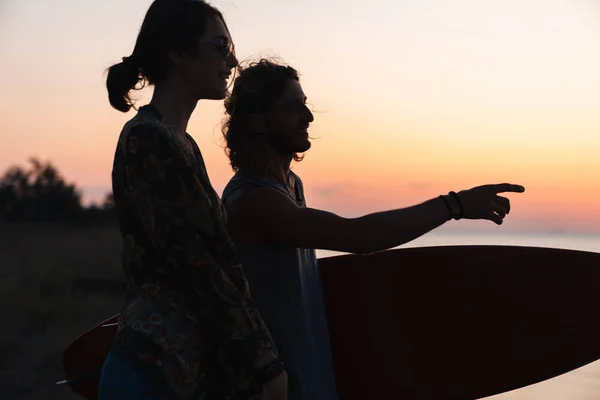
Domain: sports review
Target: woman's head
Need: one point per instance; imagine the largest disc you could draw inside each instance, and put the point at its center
(184, 40)
(266, 115)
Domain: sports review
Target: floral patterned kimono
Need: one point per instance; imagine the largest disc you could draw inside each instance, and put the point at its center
(189, 325)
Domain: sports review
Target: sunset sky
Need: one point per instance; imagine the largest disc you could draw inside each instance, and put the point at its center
(412, 98)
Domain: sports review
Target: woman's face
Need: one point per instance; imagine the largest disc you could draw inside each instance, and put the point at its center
(208, 71)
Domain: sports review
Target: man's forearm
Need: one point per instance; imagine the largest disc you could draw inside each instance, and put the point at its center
(387, 229)
(268, 215)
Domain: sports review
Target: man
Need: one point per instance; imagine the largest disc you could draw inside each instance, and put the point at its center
(276, 234)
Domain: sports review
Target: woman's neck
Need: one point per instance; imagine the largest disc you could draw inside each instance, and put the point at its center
(175, 105)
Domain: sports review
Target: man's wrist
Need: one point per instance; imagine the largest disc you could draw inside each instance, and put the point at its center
(453, 206)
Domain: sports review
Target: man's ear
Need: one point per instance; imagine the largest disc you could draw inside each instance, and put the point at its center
(257, 124)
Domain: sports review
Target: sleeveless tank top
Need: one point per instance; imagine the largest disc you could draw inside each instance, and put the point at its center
(286, 286)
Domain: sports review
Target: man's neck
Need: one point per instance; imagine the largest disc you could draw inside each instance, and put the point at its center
(280, 167)
(175, 104)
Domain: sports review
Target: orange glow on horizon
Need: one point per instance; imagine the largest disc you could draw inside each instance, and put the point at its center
(421, 100)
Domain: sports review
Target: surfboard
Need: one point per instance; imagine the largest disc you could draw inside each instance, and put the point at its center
(83, 359)
(459, 322)
(449, 322)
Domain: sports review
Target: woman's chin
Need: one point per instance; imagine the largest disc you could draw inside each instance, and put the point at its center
(216, 94)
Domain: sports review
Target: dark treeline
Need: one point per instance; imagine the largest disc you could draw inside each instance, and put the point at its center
(39, 194)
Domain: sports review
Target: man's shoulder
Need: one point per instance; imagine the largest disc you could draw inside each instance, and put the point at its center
(248, 179)
(233, 188)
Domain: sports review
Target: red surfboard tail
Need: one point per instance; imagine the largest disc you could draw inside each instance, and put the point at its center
(83, 359)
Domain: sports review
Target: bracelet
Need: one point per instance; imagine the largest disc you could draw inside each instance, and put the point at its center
(270, 371)
(455, 209)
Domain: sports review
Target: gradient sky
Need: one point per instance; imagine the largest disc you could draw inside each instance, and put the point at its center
(413, 98)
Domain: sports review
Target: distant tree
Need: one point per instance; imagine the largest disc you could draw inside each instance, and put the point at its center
(37, 194)
(13, 188)
(103, 213)
(108, 204)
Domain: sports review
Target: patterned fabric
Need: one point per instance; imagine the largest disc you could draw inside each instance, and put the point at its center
(189, 322)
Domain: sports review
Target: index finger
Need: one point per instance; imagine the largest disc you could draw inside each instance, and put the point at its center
(508, 187)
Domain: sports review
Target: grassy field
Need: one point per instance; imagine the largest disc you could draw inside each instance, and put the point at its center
(55, 283)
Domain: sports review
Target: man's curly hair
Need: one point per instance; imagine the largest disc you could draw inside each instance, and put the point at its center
(256, 89)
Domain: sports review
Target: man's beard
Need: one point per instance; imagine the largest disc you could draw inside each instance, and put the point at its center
(285, 146)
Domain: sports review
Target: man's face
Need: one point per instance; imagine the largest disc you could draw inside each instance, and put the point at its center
(288, 120)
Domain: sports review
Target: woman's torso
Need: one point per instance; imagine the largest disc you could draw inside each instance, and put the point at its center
(165, 342)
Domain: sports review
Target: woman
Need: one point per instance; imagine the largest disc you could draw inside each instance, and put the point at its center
(189, 328)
